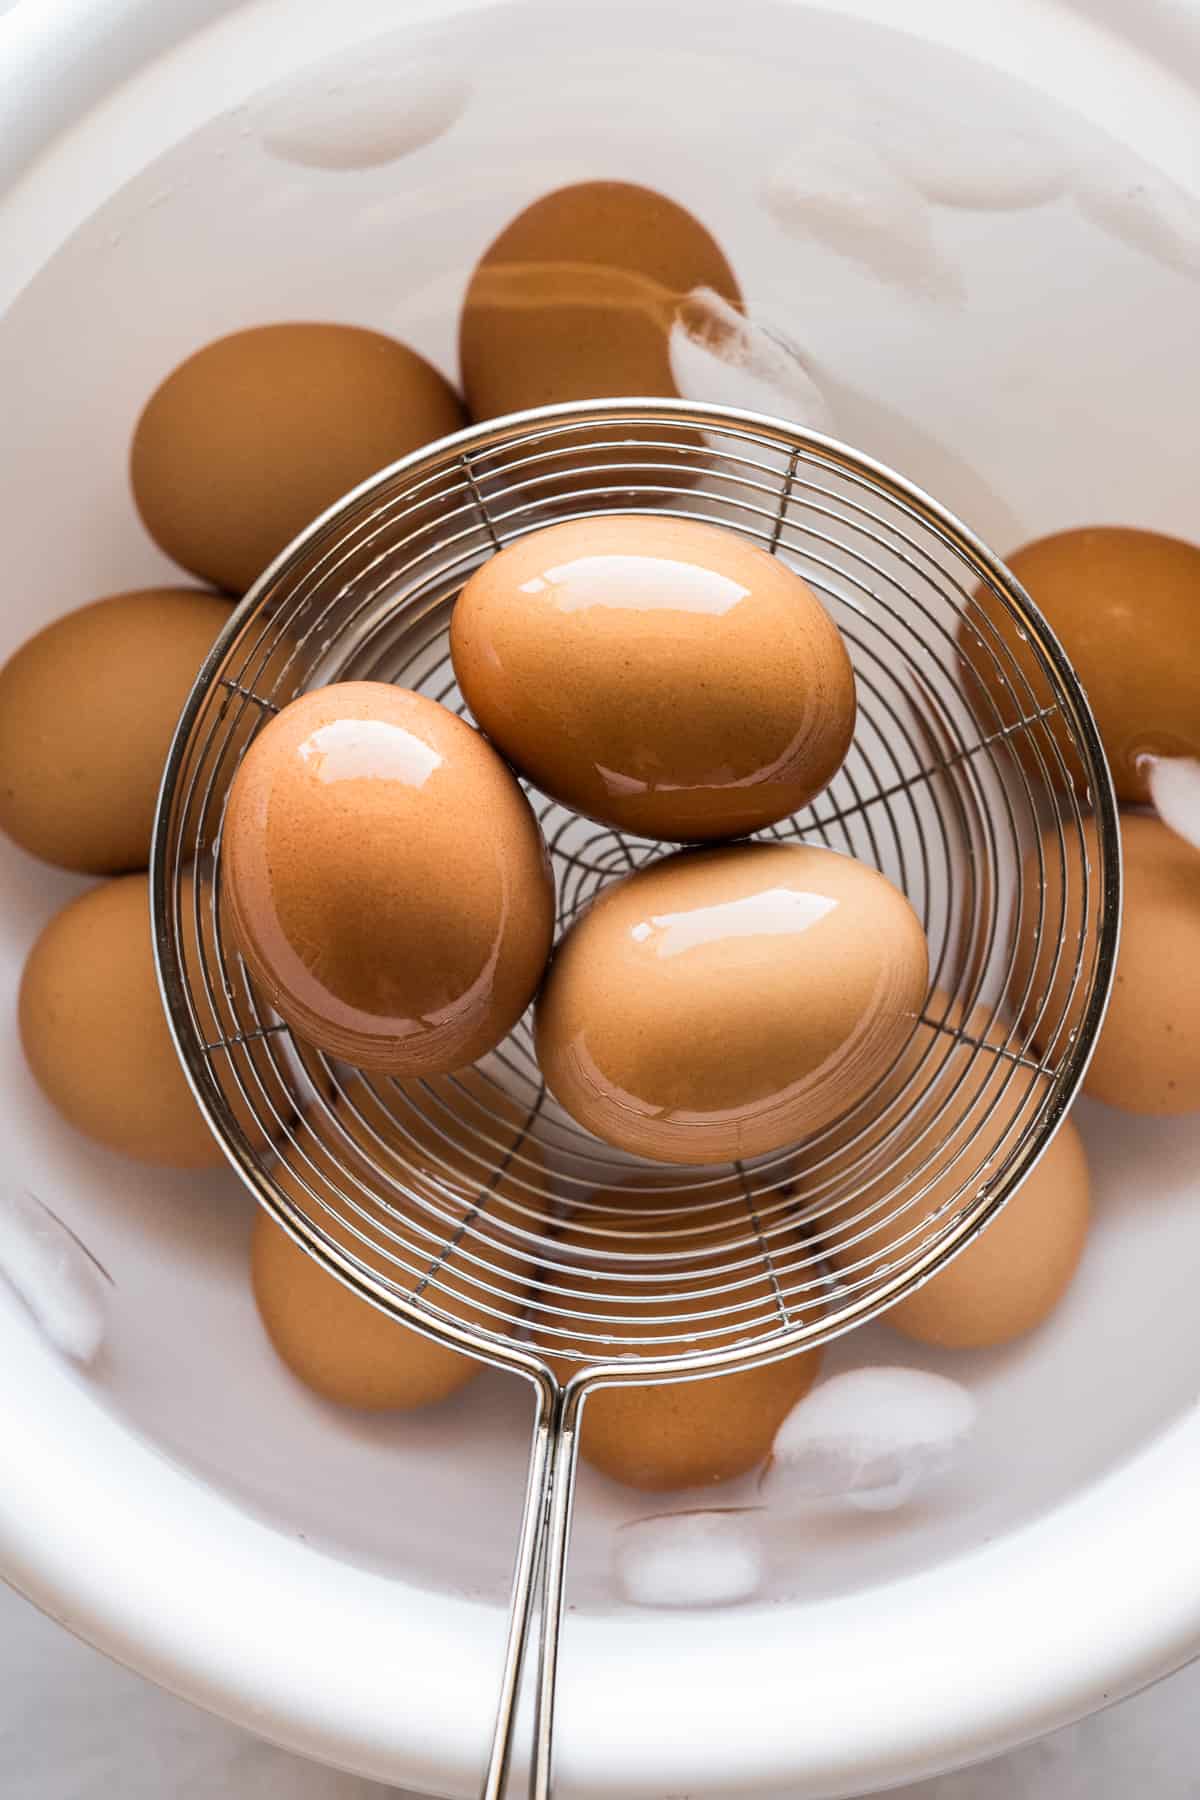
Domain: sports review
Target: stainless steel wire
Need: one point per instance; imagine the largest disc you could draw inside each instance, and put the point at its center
(442, 1202)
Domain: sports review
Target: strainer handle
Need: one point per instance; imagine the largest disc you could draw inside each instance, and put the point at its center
(541, 1568)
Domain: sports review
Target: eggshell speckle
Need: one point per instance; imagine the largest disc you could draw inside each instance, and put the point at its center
(386, 881)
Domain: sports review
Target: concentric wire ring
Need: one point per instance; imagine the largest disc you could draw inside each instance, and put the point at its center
(442, 1202)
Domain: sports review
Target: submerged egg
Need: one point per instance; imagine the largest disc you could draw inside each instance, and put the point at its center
(341, 1345)
(672, 1434)
(1125, 605)
(251, 438)
(88, 708)
(1147, 1056)
(663, 676)
(95, 1034)
(575, 298)
(386, 881)
(958, 1107)
(723, 1003)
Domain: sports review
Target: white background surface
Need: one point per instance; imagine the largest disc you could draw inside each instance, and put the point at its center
(74, 1726)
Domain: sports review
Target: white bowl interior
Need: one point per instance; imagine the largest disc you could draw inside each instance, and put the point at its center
(1032, 366)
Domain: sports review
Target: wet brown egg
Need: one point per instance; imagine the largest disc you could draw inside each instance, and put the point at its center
(955, 1103)
(1147, 1057)
(1125, 604)
(674, 1434)
(95, 1034)
(251, 438)
(88, 708)
(575, 298)
(660, 675)
(723, 1003)
(337, 1343)
(386, 881)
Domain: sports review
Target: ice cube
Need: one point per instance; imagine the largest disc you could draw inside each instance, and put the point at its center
(1174, 783)
(726, 358)
(871, 1437)
(698, 1558)
(60, 1282)
(358, 116)
(836, 187)
(979, 147)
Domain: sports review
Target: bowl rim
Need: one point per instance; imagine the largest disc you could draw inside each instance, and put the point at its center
(396, 1683)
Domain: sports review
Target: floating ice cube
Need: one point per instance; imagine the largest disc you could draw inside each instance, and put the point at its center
(708, 1558)
(59, 1281)
(871, 1437)
(359, 118)
(1174, 783)
(978, 147)
(1143, 207)
(721, 356)
(837, 188)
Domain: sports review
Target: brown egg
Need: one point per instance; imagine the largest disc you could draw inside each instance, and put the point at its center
(956, 1106)
(343, 1347)
(88, 708)
(1147, 1057)
(1016, 1272)
(95, 1034)
(660, 675)
(1125, 605)
(386, 881)
(674, 1434)
(575, 299)
(251, 438)
(724, 1003)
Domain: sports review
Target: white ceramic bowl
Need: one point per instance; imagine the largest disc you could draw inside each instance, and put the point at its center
(338, 1586)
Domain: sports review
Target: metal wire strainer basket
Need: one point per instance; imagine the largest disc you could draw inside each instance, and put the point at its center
(440, 1202)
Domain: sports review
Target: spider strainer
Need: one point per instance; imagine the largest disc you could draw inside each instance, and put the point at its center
(438, 1202)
